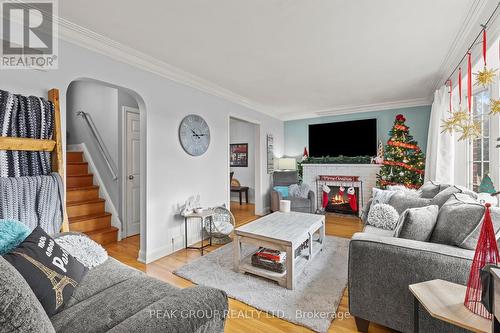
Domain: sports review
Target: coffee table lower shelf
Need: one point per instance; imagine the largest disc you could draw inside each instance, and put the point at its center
(300, 263)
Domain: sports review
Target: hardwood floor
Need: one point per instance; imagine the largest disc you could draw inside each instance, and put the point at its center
(252, 321)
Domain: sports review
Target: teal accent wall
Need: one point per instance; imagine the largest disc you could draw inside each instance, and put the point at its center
(417, 118)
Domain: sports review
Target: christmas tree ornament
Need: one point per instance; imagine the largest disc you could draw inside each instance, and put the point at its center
(494, 106)
(401, 173)
(469, 130)
(455, 121)
(486, 253)
(487, 76)
(351, 196)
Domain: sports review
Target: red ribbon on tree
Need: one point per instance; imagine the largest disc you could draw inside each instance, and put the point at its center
(403, 144)
(460, 86)
(469, 82)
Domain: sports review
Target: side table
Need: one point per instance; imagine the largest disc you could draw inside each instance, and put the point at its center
(445, 301)
(207, 213)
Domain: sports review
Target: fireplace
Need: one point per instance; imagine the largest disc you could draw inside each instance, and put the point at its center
(339, 201)
(340, 194)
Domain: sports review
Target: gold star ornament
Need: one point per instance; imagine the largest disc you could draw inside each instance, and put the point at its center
(455, 121)
(494, 106)
(470, 130)
(485, 77)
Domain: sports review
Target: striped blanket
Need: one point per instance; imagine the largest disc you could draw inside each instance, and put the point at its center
(25, 117)
(34, 200)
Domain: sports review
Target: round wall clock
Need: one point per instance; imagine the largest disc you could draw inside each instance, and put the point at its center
(194, 135)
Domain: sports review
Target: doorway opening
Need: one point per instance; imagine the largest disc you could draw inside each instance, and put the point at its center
(105, 126)
(244, 138)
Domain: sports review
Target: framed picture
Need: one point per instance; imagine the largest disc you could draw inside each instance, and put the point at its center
(270, 153)
(238, 154)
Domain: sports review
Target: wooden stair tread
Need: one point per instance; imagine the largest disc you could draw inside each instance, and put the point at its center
(81, 175)
(88, 217)
(76, 163)
(84, 202)
(83, 188)
(102, 231)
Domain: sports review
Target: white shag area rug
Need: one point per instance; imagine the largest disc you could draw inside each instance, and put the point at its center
(314, 301)
(84, 249)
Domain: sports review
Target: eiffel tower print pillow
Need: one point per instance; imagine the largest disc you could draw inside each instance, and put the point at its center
(51, 272)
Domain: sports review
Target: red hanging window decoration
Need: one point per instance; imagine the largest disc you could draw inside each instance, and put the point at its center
(450, 92)
(469, 82)
(460, 87)
(486, 253)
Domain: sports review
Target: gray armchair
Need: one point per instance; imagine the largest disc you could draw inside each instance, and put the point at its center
(287, 178)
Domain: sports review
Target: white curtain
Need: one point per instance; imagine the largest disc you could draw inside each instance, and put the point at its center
(440, 155)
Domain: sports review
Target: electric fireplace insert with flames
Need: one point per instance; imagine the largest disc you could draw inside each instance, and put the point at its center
(343, 200)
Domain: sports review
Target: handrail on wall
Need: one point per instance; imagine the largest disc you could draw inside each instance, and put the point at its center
(100, 144)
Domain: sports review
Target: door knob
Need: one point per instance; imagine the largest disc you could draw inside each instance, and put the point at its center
(131, 177)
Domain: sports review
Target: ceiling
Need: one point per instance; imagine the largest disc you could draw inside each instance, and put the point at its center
(292, 58)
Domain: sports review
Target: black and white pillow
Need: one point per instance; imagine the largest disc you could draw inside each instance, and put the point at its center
(51, 272)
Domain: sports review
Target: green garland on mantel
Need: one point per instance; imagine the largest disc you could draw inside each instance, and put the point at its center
(333, 160)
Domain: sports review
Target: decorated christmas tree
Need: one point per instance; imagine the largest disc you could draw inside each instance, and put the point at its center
(404, 161)
(486, 185)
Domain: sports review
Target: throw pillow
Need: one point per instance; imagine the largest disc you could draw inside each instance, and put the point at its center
(51, 272)
(84, 249)
(12, 233)
(299, 191)
(383, 216)
(283, 190)
(417, 223)
(459, 222)
(381, 196)
(401, 202)
(429, 190)
(402, 188)
(20, 310)
(443, 196)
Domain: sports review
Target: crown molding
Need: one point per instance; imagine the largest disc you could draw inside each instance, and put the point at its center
(469, 28)
(96, 42)
(349, 109)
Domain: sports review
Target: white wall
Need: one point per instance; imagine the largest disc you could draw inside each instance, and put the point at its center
(101, 103)
(171, 175)
(244, 132)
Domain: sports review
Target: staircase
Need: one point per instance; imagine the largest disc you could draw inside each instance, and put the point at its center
(86, 210)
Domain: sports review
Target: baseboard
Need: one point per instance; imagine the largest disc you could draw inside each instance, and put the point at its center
(155, 254)
(141, 256)
(103, 192)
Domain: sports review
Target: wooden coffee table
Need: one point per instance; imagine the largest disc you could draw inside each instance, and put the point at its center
(283, 232)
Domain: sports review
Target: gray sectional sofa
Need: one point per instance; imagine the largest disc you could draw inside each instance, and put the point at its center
(381, 267)
(113, 297)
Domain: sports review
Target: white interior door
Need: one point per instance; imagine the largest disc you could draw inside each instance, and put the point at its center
(133, 173)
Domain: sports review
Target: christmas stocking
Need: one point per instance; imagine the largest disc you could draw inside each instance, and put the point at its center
(326, 190)
(351, 195)
(341, 191)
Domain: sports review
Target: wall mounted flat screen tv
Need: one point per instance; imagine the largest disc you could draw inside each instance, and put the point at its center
(347, 138)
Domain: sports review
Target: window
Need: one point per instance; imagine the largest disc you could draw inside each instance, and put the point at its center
(480, 147)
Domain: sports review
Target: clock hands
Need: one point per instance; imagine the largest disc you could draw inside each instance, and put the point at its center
(197, 135)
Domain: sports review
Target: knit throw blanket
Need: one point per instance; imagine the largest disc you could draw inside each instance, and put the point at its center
(25, 117)
(35, 201)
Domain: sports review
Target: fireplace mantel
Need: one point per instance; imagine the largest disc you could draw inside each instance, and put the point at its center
(367, 174)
